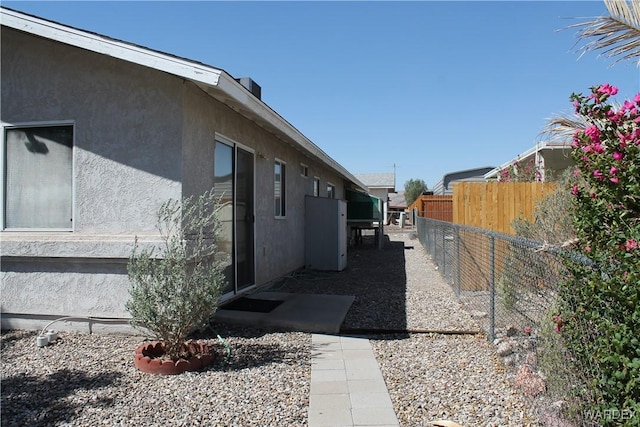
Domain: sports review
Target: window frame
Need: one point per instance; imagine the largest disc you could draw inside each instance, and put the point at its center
(304, 170)
(283, 188)
(316, 180)
(331, 194)
(4, 127)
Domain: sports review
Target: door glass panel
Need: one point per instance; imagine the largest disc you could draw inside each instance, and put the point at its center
(244, 219)
(223, 189)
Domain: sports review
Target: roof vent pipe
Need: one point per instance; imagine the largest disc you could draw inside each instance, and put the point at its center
(251, 86)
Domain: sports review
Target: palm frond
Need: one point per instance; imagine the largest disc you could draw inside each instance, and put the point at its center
(562, 128)
(617, 35)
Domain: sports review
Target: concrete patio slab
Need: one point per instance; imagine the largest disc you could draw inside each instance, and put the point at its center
(299, 312)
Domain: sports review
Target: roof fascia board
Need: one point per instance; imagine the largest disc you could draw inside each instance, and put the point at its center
(110, 47)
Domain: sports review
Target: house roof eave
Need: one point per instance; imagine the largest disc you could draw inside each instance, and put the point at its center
(540, 146)
(214, 81)
(110, 47)
(266, 117)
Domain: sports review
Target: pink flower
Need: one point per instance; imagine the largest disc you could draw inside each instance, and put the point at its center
(598, 148)
(614, 179)
(631, 244)
(587, 248)
(527, 330)
(597, 174)
(559, 323)
(613, 170)
(607, 89)
(593, 132)
(617, 156)
(636, 98)
(628, 105)
(576, 172)
(574, 189)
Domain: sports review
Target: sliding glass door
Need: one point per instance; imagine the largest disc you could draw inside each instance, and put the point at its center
(234, 185)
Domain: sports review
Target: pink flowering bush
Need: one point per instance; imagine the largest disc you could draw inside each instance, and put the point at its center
(521, 171)
(600, 304)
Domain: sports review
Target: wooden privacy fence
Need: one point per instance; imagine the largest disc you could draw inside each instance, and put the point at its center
(495, 205)
(434, 207)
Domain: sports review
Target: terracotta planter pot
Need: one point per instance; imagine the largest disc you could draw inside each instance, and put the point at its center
(148, 358)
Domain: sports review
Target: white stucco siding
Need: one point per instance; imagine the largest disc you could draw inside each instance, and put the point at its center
(127, 160)
(199, 117)
(65, 289)
(279, 243)
(127, 127)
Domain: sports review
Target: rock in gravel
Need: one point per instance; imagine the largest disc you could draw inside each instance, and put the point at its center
(504, 348)
(530, 382)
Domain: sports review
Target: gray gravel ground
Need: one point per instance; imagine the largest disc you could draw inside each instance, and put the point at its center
(429, 376)
(88, 380)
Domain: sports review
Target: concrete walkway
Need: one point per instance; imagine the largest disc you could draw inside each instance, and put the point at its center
(347, 387)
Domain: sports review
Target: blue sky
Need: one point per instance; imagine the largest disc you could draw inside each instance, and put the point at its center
(432, 87)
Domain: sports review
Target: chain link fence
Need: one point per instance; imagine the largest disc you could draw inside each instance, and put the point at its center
(509, 285)
(504, 281)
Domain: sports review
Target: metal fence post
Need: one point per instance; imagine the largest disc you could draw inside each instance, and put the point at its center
(492, 289)
(457, 261)
(444, 252)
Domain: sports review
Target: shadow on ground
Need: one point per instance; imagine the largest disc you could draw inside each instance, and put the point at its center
(248, 347)
(377, 278)
(31, 400)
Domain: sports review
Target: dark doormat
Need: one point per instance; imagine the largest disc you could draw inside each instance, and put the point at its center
(252, 305)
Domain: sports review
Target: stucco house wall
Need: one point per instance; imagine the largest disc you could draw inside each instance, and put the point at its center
(141, 136)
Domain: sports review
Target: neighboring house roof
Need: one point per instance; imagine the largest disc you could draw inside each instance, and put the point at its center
(378, 180)
(397, 200)
(476, 174)
(216, 82)
(540, 146)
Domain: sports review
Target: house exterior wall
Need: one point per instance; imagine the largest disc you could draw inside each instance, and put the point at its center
(108, 103)
(141, 136)
(279, 243)
(555, 163)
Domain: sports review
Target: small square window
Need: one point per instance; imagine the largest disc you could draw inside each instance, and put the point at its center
(279, 188)
(304, 170)
(331, 191)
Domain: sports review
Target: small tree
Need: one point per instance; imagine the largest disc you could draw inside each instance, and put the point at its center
(175, 288)
(413, 189)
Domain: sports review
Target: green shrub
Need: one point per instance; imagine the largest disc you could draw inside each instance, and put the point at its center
(599, 304)
(175, 288)
(553, 215)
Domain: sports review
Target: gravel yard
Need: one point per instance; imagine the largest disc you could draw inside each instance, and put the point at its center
(429, 376)
(90, 379)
